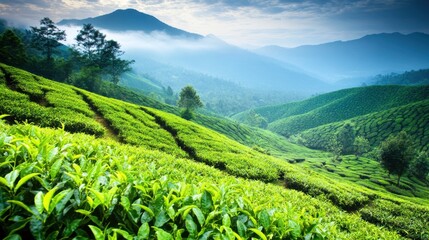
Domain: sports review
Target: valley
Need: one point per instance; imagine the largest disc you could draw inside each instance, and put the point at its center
(155, 132)
(263, 120)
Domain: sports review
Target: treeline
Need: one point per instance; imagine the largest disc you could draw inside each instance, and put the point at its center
(86, 64)
(397, 154)
(419, 77)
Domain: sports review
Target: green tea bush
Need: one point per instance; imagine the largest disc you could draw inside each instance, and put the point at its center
(53, 188)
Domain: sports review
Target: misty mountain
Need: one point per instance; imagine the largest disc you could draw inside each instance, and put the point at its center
(130, 20)
(244, 68)
(368, 56)
(228, 78)
(205, 55)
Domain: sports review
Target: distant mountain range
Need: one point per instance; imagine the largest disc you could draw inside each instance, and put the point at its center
(130, 20)
(291, 71)
(208, 55)
(368, 56)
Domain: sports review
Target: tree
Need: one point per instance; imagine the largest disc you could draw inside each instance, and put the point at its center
(110, 61)
(46, 37)
(12, 50)
(361, 146)
(419, 167)
(90, 42)
(396, 154)
(335, 147)
(346, 137)
(95, 52)
(189, 100)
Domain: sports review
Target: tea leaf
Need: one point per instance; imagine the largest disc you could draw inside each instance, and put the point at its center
(98, 233)
(144, 231)
(206, 202)
(199, 215)
(38, 201)
(259, 233)
(163, 235)
(11, 177)
(21, 204)
(24, 180)
(47, 198)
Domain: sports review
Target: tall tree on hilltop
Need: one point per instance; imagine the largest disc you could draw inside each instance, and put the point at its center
(46, 38)
(396, 154)
(189, 100)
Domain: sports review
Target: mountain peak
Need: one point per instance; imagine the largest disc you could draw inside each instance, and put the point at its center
(131, 20)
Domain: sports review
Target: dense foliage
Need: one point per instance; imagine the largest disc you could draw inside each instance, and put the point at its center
(396, 154)
(178, 138)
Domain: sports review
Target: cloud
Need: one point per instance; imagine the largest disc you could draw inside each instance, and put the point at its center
(248, 22)
(156, 42)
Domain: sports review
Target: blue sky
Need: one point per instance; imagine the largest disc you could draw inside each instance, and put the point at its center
(248, 23)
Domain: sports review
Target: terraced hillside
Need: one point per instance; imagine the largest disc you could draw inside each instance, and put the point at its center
(292, 118)
(212, 158)
(376, 127)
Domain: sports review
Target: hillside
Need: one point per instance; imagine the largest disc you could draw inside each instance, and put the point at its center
(368, 56)
(158, 141)
(292, 118)
(412, 118)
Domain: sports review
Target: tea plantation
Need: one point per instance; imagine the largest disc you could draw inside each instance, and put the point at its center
(148, 174)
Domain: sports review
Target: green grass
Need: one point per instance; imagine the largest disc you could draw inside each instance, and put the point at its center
(156, 137)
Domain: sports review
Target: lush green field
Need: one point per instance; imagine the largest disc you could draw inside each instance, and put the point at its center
(337, 206)
(296, 117)
(58, 185)
(376, 127)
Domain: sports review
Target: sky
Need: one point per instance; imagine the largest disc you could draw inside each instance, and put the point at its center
(246, 23)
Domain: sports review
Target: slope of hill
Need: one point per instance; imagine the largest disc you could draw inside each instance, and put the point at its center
(152, 131)
(295, 117)
(137, 193)
(130, 20)
(367, 56)
(376, 127)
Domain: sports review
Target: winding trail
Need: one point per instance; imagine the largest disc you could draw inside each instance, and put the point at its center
(111, 133)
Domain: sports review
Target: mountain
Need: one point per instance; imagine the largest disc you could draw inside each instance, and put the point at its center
(130, 20)
(226, 63)
(138, 149)
(210, 56)
(368, 56)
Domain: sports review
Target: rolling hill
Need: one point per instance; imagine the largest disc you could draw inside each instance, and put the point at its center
(149, 173)
(293, 118)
